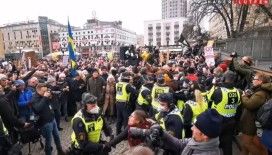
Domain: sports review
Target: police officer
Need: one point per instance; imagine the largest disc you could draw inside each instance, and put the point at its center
(144, 97)
(124, 90)
(87, 127)
(191, 110)
(169, 116)
(158, 88)
(225, 99)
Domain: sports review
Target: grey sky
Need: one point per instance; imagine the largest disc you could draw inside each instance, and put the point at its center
(133, 13)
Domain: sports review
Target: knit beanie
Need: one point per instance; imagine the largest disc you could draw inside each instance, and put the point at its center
(209, 123)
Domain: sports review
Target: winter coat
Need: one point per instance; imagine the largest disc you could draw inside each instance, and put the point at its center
(24, 103)
(251, 105)
(95, 87)
(245, 74)
(189, 146)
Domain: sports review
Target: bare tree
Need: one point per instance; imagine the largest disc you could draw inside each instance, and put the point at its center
(233, 16)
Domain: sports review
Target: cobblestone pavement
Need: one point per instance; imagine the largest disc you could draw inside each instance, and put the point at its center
(65, 139)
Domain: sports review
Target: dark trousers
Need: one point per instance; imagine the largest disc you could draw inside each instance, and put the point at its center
(48, 130)
(226, 136)
(72, 108)
(57, 116)
(63, 102)
(122, 116)
(5, 145)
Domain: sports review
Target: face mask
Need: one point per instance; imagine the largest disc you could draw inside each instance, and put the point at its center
(94, 110)
(161, 109)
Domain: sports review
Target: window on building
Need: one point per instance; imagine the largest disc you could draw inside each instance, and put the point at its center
(8, 37)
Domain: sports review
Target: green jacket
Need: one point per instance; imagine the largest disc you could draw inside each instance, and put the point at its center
(250, 107)
(245, 71)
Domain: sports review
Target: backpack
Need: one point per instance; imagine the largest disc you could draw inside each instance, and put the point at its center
(264, 115)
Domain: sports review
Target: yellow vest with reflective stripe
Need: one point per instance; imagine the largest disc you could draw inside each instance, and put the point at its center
(93, 129)
(161, 120)
(156, 91)
(230, 100)
(180, 105)
(196, 108)
(207, 95)
(140, 98)
(3, 128)
(121, 92)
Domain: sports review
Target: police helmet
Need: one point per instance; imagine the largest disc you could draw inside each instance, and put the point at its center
(167, 98)
(88, 98)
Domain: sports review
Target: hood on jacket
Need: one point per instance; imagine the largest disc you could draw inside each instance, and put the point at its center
(211, 146)
(267, 86)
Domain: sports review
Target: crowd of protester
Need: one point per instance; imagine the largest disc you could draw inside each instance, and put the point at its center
(205, 106)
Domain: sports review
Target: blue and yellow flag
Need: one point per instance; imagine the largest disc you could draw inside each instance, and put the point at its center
(71, 49)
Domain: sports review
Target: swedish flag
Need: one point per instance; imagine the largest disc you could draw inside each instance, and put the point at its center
(71, 49)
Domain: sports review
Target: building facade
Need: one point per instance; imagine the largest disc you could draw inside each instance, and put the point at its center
(99, 36)
(163, 32)
(174, 8)
(2, 52)
(140, 40)
(33, 35)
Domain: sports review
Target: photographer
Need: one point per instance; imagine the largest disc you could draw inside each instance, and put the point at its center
(42, 107)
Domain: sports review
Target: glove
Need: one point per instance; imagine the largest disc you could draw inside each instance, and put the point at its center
(107, 147)
(156, 130)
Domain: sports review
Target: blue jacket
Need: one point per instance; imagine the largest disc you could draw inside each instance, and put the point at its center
(24, 99)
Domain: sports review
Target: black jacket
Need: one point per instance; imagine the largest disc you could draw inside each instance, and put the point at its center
(42, 107)
(9, 119)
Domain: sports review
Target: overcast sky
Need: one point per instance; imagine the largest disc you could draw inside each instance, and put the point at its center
(133, 13)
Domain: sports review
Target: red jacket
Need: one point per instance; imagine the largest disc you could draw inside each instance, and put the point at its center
(192, 77)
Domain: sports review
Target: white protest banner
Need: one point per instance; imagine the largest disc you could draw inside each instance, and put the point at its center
(209, 54)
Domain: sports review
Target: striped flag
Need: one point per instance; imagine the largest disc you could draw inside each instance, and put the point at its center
(71, 49)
